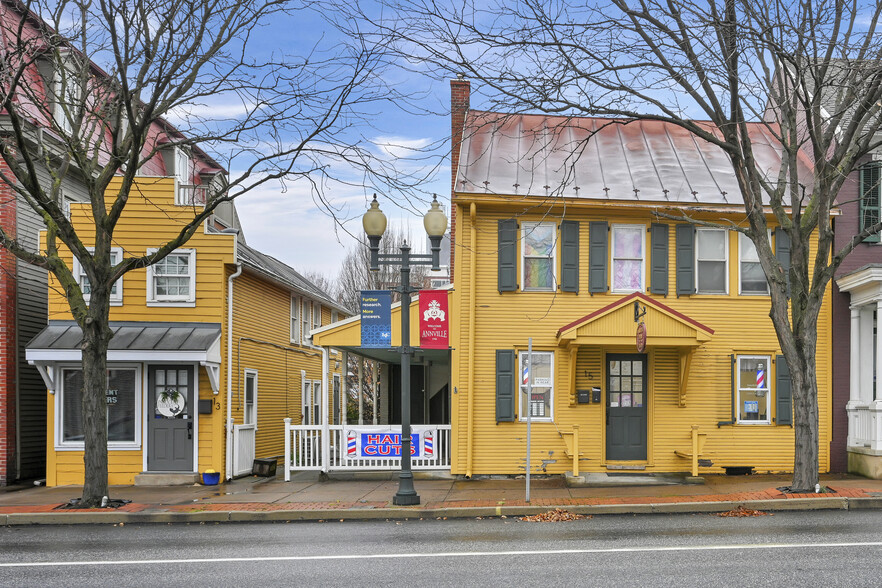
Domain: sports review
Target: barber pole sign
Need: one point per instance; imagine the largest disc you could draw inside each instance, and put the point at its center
(434, 322)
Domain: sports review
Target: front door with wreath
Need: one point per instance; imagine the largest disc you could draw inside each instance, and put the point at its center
(170, 418)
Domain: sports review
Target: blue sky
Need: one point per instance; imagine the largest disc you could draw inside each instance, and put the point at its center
(288, 224)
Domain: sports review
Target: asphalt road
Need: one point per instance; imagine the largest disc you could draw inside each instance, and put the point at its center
(821, 548)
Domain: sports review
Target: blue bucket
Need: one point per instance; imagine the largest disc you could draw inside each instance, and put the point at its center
(211, 479)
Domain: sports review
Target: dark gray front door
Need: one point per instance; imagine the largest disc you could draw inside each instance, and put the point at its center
(626, 400)
(170, 418)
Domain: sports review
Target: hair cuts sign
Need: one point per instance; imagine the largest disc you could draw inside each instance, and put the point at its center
(385, 442)
(434, 322)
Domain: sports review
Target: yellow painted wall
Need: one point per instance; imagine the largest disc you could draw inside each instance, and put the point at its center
(150, 219)
(506, 320)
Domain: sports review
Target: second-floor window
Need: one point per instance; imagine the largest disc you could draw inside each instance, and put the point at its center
(711, 254)
(871, 198)
(186, 191)
(538, 245)
(751, 276)
(116, 291)
(295, 319)
(305, 320)
(628, 246)
(173, 280)
(316, 315)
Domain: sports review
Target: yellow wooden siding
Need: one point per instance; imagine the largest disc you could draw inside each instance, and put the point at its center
(151, 219)
(506, 320)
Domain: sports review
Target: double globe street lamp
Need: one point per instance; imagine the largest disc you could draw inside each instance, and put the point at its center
(435, 222)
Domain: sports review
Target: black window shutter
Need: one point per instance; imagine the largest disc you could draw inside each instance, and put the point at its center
(783, 394)
(598, 237)
(659, 259)
(508, 255)
(505, 385)
(685, 259)
(782, 252)
(569, 238)
(870, 198)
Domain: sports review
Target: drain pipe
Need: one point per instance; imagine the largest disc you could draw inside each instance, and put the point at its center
(229, 461)
(473, 263)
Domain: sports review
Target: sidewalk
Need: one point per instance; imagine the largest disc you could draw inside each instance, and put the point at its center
(370, 497)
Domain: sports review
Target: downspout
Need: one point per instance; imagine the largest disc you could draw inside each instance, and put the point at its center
(732, 387)
(229, 461)
(473, 270)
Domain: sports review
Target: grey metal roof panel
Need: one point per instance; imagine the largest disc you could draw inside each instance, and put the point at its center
(133, 336)
(597, 158)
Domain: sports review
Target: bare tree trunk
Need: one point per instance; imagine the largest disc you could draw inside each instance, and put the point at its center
(96, 338)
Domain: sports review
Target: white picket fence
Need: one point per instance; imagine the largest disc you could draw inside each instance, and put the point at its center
(304, 449)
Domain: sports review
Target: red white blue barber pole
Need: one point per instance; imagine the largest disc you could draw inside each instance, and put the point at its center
(760, 376)
(351, 444)
(429, 444)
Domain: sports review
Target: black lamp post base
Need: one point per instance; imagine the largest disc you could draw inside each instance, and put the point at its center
(406, 499)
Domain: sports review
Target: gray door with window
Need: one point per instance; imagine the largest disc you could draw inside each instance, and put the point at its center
(170, 418)
(626, 400)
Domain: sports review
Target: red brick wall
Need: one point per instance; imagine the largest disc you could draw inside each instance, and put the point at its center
(8, 358)
(460, 91)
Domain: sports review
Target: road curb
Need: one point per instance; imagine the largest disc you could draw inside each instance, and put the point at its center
(398, 514)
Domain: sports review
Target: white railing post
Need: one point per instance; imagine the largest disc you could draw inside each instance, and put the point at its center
(326, 414)
(287, 449)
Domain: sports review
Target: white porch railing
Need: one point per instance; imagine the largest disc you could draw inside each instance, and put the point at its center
(304, 450)
(865, 425)
(244, 437)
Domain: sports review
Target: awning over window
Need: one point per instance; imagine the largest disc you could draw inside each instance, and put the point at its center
(61, 341)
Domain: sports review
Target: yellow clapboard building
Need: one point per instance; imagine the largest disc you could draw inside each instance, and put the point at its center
(211, 351)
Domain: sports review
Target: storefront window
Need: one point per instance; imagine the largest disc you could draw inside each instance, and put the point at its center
(122, 407)
(540, 402)
(753, 389)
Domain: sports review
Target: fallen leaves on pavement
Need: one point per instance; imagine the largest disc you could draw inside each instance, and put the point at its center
(554, 516)
(740, 511)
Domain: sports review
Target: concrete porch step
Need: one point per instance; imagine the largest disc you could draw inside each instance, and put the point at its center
(166, 479)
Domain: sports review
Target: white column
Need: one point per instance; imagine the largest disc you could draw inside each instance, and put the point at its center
(878, 354)
(344, 388)
(854, 357)
(374, 385)
(361, 390)
(326, 431)
(865, 352)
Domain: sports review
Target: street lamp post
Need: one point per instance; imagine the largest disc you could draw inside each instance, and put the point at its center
(435, 222)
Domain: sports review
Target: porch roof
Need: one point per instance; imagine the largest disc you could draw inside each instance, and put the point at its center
(132, 341)
(615, 324)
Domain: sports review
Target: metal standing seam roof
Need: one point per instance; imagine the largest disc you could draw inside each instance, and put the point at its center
(283, 273)
(132, 336)
(604, 159)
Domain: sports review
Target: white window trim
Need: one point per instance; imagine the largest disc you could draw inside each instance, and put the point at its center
(725, 261)
(316, 315)
(740, 261)
(612, 258)
(316, 406)
(305, 394)
(191, 298)
(249, 373)
(295, 319)
(182, 182)
(61, 95)
(768, 361)
(61, 445)
(526, 229)
(521, 414)
(115, 299)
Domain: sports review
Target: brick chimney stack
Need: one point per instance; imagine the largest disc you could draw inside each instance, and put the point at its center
(460, 90)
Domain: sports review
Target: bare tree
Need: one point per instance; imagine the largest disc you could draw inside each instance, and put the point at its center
(103, 78)
(355, 274)
(810, 71)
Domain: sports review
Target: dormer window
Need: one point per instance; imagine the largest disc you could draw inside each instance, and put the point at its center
(185, 191)
(66, 94)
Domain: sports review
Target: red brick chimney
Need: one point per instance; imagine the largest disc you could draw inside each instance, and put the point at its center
(460, 90)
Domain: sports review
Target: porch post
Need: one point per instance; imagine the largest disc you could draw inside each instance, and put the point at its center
(360, 390)
(867, 360)
(326, 431)
(374, 386)
(344, 389)
(877, 393)
(854, 357)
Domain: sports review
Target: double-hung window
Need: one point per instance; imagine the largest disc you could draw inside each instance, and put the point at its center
(871, 197)
(123, 409)
(305, 320)
(753, 389)
(186, 192)
(751, 276)
(316, 315)
(67, 94)
(628, 249)
(541, 398)
(538, 246)
(172, 280)
(711, 256)
(295, 319)
(116, 291)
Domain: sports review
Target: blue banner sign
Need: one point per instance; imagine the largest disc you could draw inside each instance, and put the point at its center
(376, 319)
